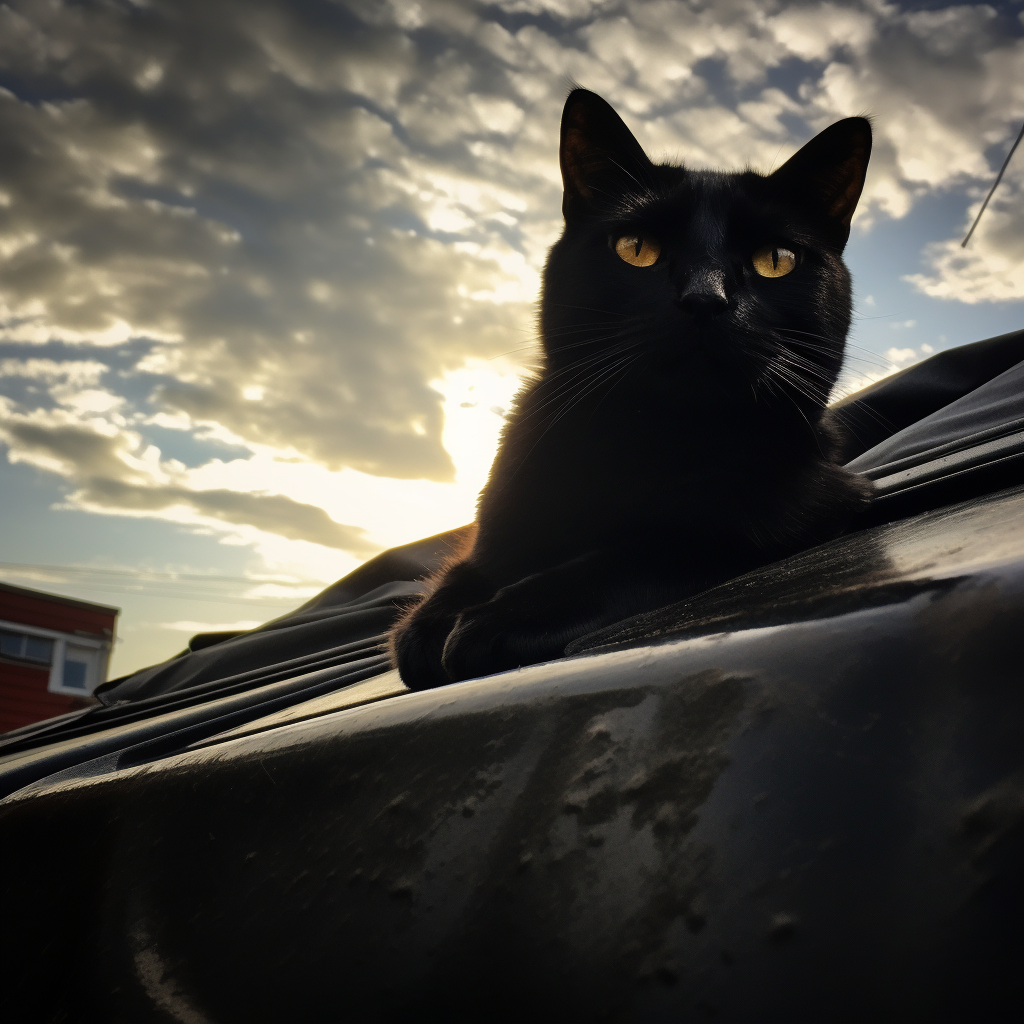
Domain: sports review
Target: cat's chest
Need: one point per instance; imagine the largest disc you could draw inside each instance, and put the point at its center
(642, 488)
(675, 477)
(658, 453)
(637, 464)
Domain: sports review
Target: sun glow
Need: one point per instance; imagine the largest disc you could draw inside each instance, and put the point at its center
(391, 511)
(477, 398)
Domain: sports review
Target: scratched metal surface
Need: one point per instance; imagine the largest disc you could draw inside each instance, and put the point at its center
(808, 807)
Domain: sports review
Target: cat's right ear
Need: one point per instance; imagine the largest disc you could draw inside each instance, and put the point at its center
(599, 156)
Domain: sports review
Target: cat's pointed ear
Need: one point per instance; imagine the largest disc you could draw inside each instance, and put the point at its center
(829, 171)
(599, 156)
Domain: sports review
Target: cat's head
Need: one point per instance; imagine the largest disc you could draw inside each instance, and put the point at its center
(735, 279)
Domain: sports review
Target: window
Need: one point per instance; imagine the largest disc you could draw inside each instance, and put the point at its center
(22, 647)
(79, 670)
(77, 664)
(76, 668)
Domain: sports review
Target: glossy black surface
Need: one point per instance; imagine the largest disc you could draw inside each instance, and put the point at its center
(806, 805)
(885, 565)
(875, 413)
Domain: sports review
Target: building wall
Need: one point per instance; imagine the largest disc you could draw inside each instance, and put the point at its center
(60, 613)
(24, 698)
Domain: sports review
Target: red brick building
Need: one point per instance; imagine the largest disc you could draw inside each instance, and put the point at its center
(54, 652)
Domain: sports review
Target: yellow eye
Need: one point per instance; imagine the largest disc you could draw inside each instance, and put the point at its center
(773, 261)
(638, 250)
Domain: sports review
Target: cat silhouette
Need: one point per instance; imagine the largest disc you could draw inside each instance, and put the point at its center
(675, 436)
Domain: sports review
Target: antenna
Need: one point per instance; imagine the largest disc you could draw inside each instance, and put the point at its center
(999, 178)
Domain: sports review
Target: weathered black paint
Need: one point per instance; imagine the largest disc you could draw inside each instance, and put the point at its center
(814, 816)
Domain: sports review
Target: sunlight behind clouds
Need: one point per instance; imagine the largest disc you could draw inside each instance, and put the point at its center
(476, 398)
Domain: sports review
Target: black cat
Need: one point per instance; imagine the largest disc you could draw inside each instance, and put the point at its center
(693, 325)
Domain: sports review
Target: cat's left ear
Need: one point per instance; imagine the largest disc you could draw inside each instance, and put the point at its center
(829, 171)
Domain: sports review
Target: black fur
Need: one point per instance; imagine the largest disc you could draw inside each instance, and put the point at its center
(676, 435)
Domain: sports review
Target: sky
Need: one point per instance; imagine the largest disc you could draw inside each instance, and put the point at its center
(268, 268)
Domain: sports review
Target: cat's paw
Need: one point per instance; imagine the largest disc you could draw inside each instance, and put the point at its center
(490, 638)
(416, 646)
(417, 641)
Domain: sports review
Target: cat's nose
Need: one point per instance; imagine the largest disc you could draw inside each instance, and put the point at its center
(704, 294)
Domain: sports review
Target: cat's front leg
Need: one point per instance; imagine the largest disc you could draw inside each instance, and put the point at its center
(417, 639)
(533, 620)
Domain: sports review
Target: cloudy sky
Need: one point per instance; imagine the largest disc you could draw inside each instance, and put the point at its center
(267, 267)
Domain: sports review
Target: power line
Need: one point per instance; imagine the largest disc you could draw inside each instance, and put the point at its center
(999, 178)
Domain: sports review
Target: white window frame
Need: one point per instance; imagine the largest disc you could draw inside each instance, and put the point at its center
(55, 684)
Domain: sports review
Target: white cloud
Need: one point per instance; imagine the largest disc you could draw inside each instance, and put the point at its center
(895, 359)
(900, 355)
(187, 626)
(815, 33)
(71, 372)
(991, 268)
(114, 470)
